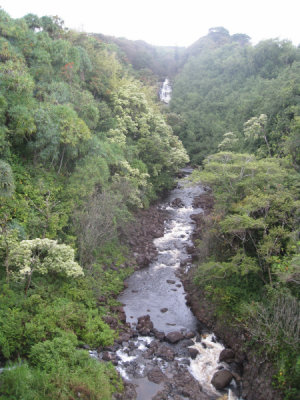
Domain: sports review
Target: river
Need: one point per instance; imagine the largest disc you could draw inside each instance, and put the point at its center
(158, 368)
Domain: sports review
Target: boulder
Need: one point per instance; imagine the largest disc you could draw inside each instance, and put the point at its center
(155, 375)
(226, 355)
(107, 356)
(190, 335)
(174, 337)
(158, 334)
(221, 379)
(177, 203)
(165, 352)
(144, 325)
(193, 353)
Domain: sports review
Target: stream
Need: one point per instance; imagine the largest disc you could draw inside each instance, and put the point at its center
(167, 357)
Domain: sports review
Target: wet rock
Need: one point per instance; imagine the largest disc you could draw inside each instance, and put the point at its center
(113, 348)
(124, 337)
(171, 281)
(221, 379)
(129, 392)
(159, 335)
(144, 325)
(161, 395)
(190, 335)
(178, 285)
(193, 353)
(187, 342)
(107, 356)
(155, 375)
(187, 385)
(177, 203)
(163, 310)
(165, 352)
(227, 355)
(174, 337)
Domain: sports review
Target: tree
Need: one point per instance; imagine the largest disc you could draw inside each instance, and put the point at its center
(255, 129)
(7, 185)
(43, 256)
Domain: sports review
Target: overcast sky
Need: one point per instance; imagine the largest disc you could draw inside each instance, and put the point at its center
(170, 22)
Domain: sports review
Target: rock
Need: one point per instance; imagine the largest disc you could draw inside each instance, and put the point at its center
(106, 356)
(221, 379)
(124, 337)
(165, 352)
(129, 391)
(193, 353)
(187, 385)
(171, 281)
(155, 375)
(111, 321)
(190, 335)
(112, 348)
(227, 355)
(187, 343)
(177, 203)
(159, 335)
(163, 310)
(174, 337)
(144, 325)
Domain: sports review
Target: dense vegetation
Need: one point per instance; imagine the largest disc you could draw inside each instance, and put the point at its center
(242, 103)
(82, 146)
(226, 82)
(149, 63)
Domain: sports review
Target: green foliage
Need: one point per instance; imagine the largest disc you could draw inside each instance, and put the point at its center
(92, 379)
(225, 82)
(250, 255)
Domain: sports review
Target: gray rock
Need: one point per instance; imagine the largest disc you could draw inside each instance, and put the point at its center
(165, 352)
(174, 337)
(171, 281)
(155, 375)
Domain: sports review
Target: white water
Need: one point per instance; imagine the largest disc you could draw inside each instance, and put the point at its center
(165, 92)
(206, 363)
(148, 292)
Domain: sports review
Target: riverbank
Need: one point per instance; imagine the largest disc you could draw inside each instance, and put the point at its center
(255, 370)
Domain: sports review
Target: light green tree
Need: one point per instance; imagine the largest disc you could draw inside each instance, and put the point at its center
(43, 256)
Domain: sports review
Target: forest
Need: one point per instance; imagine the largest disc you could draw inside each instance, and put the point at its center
(236, 107)
(84, 144)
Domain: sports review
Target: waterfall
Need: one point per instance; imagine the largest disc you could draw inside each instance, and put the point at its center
(165, 92)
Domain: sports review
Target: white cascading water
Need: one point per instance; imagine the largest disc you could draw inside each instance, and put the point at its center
(158, 286)
(165, 92)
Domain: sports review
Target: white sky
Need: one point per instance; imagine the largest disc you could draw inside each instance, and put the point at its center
(170, 22)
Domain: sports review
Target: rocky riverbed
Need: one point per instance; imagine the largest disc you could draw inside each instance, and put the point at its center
(165, 350)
